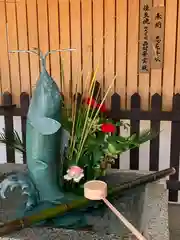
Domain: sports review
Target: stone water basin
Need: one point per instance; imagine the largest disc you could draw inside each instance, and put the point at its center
(146, 207)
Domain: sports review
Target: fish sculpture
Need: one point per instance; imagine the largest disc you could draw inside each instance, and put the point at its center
(46, 142)
(43, 133)
(42, 136)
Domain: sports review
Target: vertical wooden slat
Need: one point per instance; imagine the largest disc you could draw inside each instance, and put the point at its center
(116, 106)
(75, 11)
(86, 42)
(134, 153)
(169, 53)
(177, 76)
(156, 74)
(156, 104)
(54, 39)
(8, 120)
(43, 29)
(4, 61)
(144, 77)
(23, 45)
(24, 101)
(97, 91)
(121, 48)
(0, 88)
(132, 61)
(64, 14)
(13, 45)
(78, 97)
(109, 46)
(98, 39)
(33, 39)
(175, 148)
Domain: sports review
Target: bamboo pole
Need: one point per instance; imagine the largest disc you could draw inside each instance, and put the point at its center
(16, 225)
(134, 231)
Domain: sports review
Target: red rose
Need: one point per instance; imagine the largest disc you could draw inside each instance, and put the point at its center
(102, 108)
(91, 102)
(108, 128)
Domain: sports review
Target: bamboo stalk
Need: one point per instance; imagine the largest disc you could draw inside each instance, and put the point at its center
(135, 232)
(152, 177)
(16, 225)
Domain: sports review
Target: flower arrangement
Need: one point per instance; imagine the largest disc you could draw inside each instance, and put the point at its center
(93, 140)
(93, 143)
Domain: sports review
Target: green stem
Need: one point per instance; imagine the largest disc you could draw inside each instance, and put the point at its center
(85, 129)
(92, 122)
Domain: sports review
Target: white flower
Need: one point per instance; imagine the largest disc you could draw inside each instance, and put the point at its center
(74, 173)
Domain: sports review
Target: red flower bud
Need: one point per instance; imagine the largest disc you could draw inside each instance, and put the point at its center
(102, 108)
(108, 128)
(91, 102)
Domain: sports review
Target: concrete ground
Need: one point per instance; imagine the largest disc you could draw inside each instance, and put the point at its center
(174, 221)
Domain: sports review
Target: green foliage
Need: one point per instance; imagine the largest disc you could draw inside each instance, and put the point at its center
(98, 145)
(119, 144)
(93, 139)
(90, 146)
(15, 142)
(98, 148)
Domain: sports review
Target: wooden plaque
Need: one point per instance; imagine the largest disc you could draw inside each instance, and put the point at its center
(157, 37)
(144, 39)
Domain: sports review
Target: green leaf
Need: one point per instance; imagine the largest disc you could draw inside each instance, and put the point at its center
(114, 138)
(95, 140)
(119, 124)
(14, 143)
(133, 137)
(126, 126)
(112, 149)
(97, 156)
(91, 140)
(100, 137)
(116, 148)
(146, 135)
(89, 168)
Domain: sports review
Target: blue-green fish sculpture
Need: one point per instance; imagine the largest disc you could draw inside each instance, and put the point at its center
(42, 136)
(41, 183)
(45, 143)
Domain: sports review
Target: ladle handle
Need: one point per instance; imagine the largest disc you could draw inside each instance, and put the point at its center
(124, 220)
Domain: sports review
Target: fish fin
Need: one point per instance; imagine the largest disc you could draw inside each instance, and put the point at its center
(42, 164)
(46, 126)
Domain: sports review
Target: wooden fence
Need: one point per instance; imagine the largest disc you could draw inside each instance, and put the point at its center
(104, 31)
(135, 114)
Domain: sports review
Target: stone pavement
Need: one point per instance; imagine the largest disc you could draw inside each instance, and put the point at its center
(174, 221)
